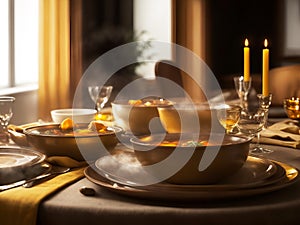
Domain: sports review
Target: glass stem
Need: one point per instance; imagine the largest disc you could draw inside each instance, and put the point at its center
(258, 140)
(266, 119)
(98, 107)
(245, 102)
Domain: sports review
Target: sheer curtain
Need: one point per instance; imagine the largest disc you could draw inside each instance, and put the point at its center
(189, 27)
(54, 56)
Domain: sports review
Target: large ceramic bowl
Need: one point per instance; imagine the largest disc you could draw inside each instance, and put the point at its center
(231, 156)
(79, 147)
(138, 118)
(190, 118)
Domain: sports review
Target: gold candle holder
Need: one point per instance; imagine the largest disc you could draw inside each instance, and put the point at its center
(292, 107)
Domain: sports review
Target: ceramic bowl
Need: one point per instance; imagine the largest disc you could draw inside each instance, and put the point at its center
(232, 154)
(71, 145)
(138, 119)
(18, 137)
(292, 107)
(77, 115)
(190, 118)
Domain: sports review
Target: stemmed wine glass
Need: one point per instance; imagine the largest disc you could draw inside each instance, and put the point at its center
(242, 88)
(229, 116)
(100, 95)
(6, 113)
(264, 104)
(251, 123)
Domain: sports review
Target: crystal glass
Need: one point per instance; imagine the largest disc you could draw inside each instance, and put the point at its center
(252, 122)
(100, 95)
(229, 116)
(264, 104)
(6, 113)
(242, 88)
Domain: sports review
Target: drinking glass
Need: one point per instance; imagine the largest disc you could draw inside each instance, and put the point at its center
(100, 95)
(6, 113)
(242, 88)
(229, 116)
(251, 123)
(264, 104)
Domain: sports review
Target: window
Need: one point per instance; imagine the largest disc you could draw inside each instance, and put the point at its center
(4, 44)
(156, 28)
(18, 43)
(292, 26)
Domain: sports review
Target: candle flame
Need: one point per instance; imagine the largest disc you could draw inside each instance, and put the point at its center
(266, 43)
(246, 42)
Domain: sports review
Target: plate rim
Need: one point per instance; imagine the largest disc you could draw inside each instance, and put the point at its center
(256, 183)
(22, 151)
(3, 187)
(184, 195)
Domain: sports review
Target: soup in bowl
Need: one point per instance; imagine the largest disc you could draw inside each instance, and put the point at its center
(82, 142)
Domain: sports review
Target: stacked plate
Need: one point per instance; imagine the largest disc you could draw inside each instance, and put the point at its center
(121, 174)
(18, 164)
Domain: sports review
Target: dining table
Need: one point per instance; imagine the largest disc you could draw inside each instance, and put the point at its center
(106, 206)
(70, 206)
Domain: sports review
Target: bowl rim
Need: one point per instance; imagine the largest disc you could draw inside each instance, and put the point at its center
(114, 130)
(126, 104)
(201, 106)
(73, 111)
(137, 141)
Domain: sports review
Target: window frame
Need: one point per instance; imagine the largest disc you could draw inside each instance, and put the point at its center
(12, 86)
(11, 41)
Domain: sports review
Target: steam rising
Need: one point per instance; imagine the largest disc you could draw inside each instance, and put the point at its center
(122, 168)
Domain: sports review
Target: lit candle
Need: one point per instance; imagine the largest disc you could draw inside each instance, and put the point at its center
(265, 70)
(246, 61)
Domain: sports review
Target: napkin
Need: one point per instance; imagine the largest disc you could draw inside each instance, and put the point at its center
(65, 161)
(19, 206)
(284, 133)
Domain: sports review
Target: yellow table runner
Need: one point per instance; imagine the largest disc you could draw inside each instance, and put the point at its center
(19, 206)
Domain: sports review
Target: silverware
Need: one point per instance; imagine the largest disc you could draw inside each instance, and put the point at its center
(54, 171)
(33, 181)
(13, 185)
